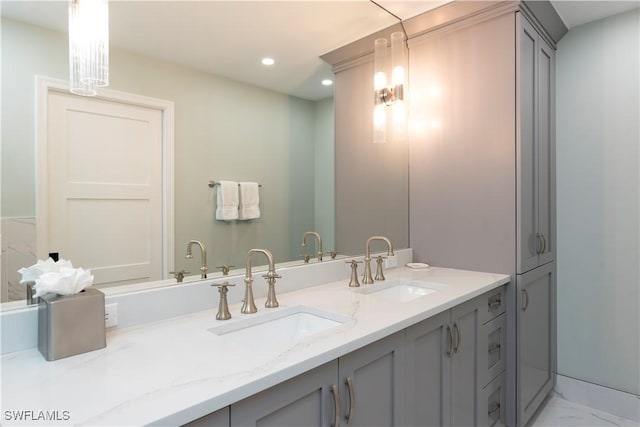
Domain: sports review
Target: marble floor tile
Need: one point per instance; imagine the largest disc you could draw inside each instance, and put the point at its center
(558, 412)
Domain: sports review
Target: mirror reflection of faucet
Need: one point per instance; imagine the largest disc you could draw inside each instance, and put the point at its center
(306, 258)
(248, 303)
(318, 238)
(203, 250)
(225, 269)
(179, 275)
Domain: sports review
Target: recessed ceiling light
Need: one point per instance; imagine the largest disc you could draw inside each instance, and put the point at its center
(268, 61)
(327, 82)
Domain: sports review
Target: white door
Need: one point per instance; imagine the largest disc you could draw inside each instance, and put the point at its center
(104, 179)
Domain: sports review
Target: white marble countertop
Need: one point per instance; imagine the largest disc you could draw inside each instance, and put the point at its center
(174, 371)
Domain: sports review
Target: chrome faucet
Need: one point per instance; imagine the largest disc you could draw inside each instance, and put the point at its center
(203, 250)
(317, 235)
(367, 278)
(248, 304)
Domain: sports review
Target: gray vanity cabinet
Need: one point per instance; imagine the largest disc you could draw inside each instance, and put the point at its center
(429, 349)
(535, 145)
(372, 384)
(365, 387)
(306, 400)
(220, 418)
(453, 368)
(535, 338)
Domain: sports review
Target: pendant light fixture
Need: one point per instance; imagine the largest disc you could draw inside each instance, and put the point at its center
(88, 46)
(389, 95)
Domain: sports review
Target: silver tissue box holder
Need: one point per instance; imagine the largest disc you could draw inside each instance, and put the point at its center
(71, 324)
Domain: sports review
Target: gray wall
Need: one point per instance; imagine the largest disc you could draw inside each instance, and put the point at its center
(372, 180)
(325, 212)
(223, 130)
(597, 202)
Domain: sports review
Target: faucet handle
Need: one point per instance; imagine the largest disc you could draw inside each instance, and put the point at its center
(179, 275)
(225, 269)
(353, 281)
(333, 254)
(305, 257)
(273, 275)
(379, 272)
(223, 306)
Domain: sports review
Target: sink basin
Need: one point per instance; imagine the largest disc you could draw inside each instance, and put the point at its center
(279, 328)
(401, 290)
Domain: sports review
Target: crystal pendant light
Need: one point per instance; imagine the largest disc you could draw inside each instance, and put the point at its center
(88, 46)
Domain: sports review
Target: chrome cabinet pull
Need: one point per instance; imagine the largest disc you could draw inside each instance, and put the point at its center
(336, 405)
(495, 409)
(495, 302)
(538, 244)
(459, 340)
(450, 349)
(352, 399)
(494, 348)
(544, 243)
(525, 300)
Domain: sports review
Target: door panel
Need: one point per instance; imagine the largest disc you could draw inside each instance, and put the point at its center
(546, 147)
(535, 338)
(526, 173)
(428, 368)
(104, 168)
(305, 400)
(464, 364)
(377, 375)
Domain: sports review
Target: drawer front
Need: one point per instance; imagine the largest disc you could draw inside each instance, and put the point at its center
(495, 306)
(492, 349)
(492, 404)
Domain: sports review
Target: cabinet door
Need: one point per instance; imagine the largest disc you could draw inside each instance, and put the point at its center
(464, 363)
(429, 347)
(372, 381)
(546, 150)
(535, 148)
(306, 400)
(535, 338)
(220, 418)
(528, 241)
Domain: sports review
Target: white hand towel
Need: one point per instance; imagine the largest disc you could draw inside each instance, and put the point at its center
(249, 200)
(228, 199)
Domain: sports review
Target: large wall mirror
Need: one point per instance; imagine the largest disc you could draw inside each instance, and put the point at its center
(234, 118)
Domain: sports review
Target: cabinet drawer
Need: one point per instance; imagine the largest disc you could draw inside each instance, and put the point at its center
(492, 349)
(495, 305)
(492, 403)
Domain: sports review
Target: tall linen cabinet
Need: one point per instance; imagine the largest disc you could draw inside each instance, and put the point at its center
(482, 174)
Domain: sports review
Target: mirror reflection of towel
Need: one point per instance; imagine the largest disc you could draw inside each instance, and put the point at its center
(228, 199)
(249, 200)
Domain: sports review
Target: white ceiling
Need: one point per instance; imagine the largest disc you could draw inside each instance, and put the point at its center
(229, 38)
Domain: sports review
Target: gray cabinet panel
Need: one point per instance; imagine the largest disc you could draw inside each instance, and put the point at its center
(220, 418)
(376, 373)
(535, 148)
(464, 363)
(493, 403)
(305, 400)
(546, 150)
(527, 173)
(428, 372)
(536, 337)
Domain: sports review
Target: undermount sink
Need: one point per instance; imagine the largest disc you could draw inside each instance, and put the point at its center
(401, 290)
(281, 327)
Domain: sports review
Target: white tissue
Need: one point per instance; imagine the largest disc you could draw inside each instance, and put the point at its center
(56, 277)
